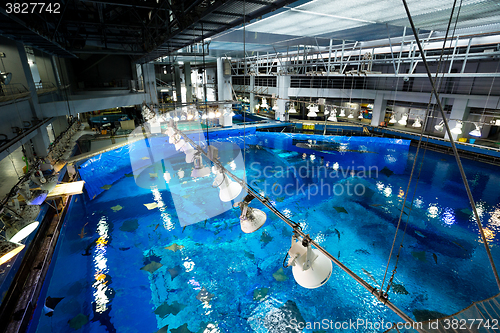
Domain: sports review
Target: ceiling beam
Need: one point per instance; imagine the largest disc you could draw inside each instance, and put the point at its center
(125, 3)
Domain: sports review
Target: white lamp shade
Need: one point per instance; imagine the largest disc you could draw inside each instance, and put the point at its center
(183, 117)
(217, 114)
(350, 116)
(167, 176)
(439, 127)
(417, 124)
(229, 190)
(312, 114)
(332, 117)
(251, 219)
(476, 132)
(403, 120)
(292, 110)
(199, 169)
(20, 229)
(393, 120)
(9, 250)
(342, 113)
(179, 144)
(311, 268)
(176, 118)
(264, 103)
(360, 115)
(457, 129)
(211, 115)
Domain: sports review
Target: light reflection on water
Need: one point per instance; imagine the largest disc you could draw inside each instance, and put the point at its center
(101, 268)
(167, 220)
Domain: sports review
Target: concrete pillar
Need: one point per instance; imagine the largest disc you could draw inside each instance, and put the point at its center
(379, 107)
(283, 86)
(38, 145)
(178, 85)
(187, 80)
(60, 124)
(459, 111)
(253, 99)
(35, 106)
(149, 76)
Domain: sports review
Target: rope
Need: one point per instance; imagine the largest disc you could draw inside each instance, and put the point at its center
(413, 169)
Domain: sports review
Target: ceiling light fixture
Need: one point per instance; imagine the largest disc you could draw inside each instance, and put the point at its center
(440, 126)
(476, 132)
(200, 170)
(458, 128)
(417, 123)
(229, 190)
(342, 113)
(403, 121)
(251, 219)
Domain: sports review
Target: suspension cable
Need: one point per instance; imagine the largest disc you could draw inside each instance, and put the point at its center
(453, 146)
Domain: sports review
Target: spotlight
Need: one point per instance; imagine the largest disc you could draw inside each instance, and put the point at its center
(196, 115)
(211, 115)
(178, 142)
(176, 118)
(251, 219)
(292, 109)
(189, 151)
(458, 128)
(403, 120)
(264, 104)
(229, 190)
(275, 106)
(20, 229)
(393, 120)
(8, 250)
(217, 113)
(476, 132)
(350, 116)
(360, 115)
(257, 107)
(342, 113)
(440, 126)
(311, 268)
(417, 123)
(204, 116)
(167, 176)
(5, 77)
(312, 111)
(199, 169)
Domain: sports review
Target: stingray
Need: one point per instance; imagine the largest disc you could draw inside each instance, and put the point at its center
(116, 208)
(174, 271)
(164, 329)
(78, 321)
(204, 295)
(103, 318)
(106, 187)
(419, 255)
(174, 247)
(279, 321)
(50, 304)
(151, 258)
(362, 251)
(151, 267)
(340, 209)
(280, 199)
(181, 329)
(249, 255)
(151, 205)
(265, 237)
(466, 211)
(423, 315)
(260, 293)
(279, 275)
(130, 225)
(399, 289)
(387, 172)
(165, 309)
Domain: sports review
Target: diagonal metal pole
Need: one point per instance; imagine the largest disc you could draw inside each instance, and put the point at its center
(453, 146)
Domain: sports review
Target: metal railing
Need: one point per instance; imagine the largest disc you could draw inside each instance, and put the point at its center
(13, 91)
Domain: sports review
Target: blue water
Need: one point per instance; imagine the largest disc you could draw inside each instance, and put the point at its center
(122, 267)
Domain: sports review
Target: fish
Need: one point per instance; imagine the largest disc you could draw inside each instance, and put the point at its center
(78, 321)
(338, 233)
(124, 248)
(166, 309)
(182, 329)
(157, 226)
(83, 233)
(338, 255)
(387, 172)
(340, 209)
(399, 289)
(419, 255)
(204, 295)
(370, 276)
(458, 244)
(419, 233)
(279, 275)
(183, 228)
(130, 225)
(174, 247)
(150, 206)
(106, 187)
(174, 271)
(249, 255)
(151, 267)
(376, 205)
(362, 251)
(260, 293)
(265, 237)
(424, 315)
(116, 208)
(50, 305)
(435, 258)
(153, 175)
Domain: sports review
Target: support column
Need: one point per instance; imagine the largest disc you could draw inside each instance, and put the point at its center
(38, 145)
(253, 99)
(224, 80)
(148, 74)
(459, 111)
(379, 107)
(283, 86)
(35, 106)
(178, 86)
(187, 80)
